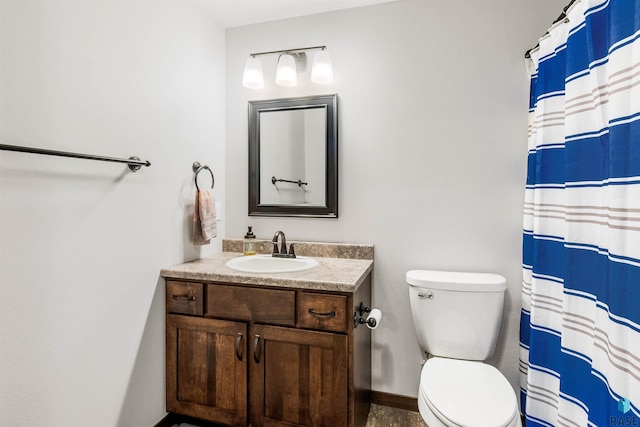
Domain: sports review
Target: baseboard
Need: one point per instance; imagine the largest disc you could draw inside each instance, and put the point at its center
(170, 420)
(394, 400)
(378, 397)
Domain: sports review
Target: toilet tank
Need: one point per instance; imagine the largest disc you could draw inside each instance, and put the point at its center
(456, 315)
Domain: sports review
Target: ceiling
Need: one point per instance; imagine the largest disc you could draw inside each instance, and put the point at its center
(234, 13)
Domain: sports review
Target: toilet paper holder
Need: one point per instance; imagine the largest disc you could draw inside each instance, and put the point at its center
(358, 318)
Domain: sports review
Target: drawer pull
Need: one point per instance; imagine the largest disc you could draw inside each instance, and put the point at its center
(238, 349)
(323, 314)
(183, 298)
(256, 348)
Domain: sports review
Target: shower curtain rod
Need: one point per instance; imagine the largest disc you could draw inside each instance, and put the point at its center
(562, 16)
(133, 162)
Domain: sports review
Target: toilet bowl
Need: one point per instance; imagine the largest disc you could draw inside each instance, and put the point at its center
(457, 319)
(456, 393)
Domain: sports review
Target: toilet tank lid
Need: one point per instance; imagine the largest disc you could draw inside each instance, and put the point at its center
(457, 281)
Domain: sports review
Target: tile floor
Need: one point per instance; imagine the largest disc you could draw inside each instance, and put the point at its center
(384, 416)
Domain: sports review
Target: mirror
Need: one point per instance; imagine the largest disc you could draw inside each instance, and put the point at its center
(293, 157)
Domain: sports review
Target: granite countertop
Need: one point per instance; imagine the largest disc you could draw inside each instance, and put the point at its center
(331, 274)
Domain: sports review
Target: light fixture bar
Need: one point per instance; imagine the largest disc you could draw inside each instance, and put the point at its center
(273, 52)
(290, 63)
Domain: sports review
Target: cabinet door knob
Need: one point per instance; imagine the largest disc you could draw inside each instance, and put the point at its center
(256, 348)
(238, 348)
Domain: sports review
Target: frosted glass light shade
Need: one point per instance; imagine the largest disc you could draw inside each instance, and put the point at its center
(322, 70)
(286, 74)
(252, 77)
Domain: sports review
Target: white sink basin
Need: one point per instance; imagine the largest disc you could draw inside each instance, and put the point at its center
(269, 264)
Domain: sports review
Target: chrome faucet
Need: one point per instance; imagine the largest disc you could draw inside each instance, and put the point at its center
(282, 252)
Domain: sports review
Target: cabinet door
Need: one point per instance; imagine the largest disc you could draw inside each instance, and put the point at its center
(298, 377)
(207, 369)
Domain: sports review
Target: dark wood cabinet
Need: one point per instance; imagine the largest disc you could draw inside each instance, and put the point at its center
(298, 378)
(207, 369)
(254, 356)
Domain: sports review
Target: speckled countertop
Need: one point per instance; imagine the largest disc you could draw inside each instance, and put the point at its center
(339, 274)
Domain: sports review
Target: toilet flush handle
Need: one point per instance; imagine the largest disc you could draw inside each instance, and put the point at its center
(428, 295)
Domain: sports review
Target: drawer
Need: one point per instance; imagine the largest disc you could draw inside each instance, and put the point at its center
(184, 298)
(321, 311)
(273, 306)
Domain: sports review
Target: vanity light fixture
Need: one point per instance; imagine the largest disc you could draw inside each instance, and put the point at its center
(290, 62)
(286, 73)
(322, 70)
(252, 77)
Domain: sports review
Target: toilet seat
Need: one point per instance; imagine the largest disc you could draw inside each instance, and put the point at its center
(459, 392)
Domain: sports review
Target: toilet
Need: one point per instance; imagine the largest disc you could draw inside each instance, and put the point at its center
(457, 320)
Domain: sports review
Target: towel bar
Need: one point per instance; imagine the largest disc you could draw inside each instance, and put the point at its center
(299, 182)
(133, 162)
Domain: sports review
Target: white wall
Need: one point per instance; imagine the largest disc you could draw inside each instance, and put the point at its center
(82, 242)
(432, 148)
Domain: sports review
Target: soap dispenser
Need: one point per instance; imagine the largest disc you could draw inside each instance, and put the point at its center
(249, 243)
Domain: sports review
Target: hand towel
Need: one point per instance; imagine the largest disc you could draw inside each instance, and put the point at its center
(204, 218)
(208, 215)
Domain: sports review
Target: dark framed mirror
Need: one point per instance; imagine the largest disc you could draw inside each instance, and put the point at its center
(293, 157)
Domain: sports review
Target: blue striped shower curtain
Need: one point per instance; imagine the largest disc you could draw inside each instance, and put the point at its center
(580, 321)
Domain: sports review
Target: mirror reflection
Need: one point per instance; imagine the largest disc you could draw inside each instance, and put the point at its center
(293, 157)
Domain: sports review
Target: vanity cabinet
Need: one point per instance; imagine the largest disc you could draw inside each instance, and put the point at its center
(298, 377)
(206, 369)
(243, 355)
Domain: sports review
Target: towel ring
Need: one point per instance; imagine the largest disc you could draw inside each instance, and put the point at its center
(197, 168)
